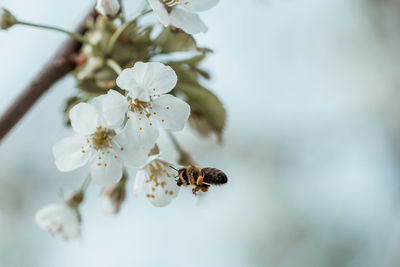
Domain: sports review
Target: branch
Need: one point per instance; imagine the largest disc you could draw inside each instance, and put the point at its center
(59, 66)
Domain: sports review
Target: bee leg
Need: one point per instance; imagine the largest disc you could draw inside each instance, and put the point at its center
(196, 189)
(204, 187)
(200, 180)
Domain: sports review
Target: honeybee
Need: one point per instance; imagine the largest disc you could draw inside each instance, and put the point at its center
(200, 178)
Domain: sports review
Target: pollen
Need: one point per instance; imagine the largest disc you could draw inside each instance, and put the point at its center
(122, 149)
(163, 120)
(102, 138)
(99, 164)
(115, 157)
(171, 192)
(105, 164)
(167, 107)
(141, 129)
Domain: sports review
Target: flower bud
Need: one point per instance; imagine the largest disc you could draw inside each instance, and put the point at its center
(113, 196)
(75, 199)
(61, 219)
(7, 20)
(109, 8)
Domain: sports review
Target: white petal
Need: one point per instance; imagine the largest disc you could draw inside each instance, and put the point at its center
(171, 112)
(190, 23)
(69, 155)
(155, 77)
(105, 169)
(108, 7)
(84, 118)
(162, 194)
(114, 107)
(138, 129)
(140, 180)
(160, 11)
(199, 5)
(59, 218)
(130, 150)
(126, 80)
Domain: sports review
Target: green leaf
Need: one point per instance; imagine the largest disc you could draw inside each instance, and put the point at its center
(206, 108)
(175, 41)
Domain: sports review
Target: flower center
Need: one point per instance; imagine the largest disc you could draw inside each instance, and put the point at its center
(156, 170)
(102, 138)
(140, 107)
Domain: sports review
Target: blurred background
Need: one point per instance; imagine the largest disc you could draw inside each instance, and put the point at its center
(311, 148)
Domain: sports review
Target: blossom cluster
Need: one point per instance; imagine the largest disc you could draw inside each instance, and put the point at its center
(119, 129)
(117, 124)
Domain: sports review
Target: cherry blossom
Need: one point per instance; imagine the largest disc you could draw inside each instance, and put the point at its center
(182, 13)
(59, 218)
(97, 142)
(147, 105)
(158, 182)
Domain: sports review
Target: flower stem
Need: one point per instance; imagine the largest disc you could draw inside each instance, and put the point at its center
(74, 35)
(184, 157)
(114, 65)
(85, 183)
(122, 15)
(121, 30)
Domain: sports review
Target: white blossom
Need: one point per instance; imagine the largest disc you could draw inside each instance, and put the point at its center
(109, 8)
(182, 13)
(147, 105)
(158, 182)
(59, 218)
(97, 142)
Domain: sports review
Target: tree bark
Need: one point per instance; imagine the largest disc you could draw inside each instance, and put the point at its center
(59, 65)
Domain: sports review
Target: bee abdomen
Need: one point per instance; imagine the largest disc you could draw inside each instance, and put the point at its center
(214, 176)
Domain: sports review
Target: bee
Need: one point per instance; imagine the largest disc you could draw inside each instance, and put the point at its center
(200, 178)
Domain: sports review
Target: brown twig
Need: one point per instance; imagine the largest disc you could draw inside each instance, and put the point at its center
(59, 66)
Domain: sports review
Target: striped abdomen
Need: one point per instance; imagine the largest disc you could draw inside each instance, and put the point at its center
(214, 176)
